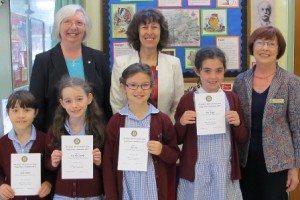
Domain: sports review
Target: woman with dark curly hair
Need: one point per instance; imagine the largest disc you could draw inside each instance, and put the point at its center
(148, 34)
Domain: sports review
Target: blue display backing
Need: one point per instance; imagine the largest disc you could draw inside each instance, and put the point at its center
(236, 24)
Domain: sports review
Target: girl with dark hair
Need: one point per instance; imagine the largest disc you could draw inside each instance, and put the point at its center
(77, 114)
(209, 164)
(22, 108)
(136, 83)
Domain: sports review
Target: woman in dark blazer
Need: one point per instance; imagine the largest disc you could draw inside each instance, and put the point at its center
(69, 58)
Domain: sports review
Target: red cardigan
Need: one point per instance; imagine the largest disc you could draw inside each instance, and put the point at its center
(7, 148)
(73, 187)
(187, 135)
(160, 123)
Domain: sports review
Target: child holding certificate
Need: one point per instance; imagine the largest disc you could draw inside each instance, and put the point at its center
(24, 139)
(77, 115)
(161, 148)
(209, 163)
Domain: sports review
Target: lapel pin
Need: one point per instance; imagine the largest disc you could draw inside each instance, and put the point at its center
(89, 62)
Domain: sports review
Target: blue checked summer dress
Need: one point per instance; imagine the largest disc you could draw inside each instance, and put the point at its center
(213, 169)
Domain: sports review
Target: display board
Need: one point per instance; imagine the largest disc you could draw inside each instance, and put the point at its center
(192, 24)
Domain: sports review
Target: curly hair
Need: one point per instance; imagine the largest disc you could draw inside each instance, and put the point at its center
(144, 17)
(94, 116)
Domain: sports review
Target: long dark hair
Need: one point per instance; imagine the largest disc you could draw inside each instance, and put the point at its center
(94, 117)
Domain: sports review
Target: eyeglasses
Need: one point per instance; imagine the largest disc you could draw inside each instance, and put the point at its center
(134, 86)
(69, 23)
(261, 43)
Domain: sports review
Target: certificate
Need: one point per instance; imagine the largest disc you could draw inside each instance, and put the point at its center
(133, 152)
(77, 156)
(26, 173)
(210, 109)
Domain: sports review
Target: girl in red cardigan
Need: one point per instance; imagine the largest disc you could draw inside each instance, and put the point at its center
(209, 164)
(77, 114)
(136, 83)
(22, 108)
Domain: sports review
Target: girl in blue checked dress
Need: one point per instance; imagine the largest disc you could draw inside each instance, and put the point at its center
(136, 83)
(209, 164)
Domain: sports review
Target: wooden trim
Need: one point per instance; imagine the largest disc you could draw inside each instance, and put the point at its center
(297, 39)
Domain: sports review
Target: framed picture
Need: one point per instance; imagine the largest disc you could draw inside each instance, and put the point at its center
(169, 51)
(121, 15)
(189, 57)
(214, 22)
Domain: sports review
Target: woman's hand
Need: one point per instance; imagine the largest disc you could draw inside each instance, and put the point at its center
(6, 192)
(56, 158)
(45, 189)
(233, 118)
(97, 157)
(188, 117)
(154, 147)
(292, 179)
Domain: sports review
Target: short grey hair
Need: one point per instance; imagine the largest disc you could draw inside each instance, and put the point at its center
(67, 11)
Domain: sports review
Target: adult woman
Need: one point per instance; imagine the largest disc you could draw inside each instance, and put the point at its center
(69, 57)
(270, 98)
(148, 33)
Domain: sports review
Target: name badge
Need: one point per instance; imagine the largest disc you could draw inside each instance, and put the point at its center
(276, 100)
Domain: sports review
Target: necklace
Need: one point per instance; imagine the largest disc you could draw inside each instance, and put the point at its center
(73, 63)
(264, 77)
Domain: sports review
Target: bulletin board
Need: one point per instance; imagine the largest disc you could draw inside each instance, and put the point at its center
(193, 24)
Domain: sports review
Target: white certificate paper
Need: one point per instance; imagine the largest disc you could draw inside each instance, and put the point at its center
(77, 156)
(133, 152)
(210, 109)
(26, 173)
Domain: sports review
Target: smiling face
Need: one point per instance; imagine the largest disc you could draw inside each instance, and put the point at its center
(75, 101)
(72, 29)
(149, 35)
(266, 54)
(211, 74)
(21, 118)
(137, 96)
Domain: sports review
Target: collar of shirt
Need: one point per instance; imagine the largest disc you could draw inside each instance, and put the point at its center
(12, 135)
(71, 132)
(125, 111)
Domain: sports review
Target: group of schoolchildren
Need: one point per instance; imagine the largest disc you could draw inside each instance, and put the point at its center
(209, 166)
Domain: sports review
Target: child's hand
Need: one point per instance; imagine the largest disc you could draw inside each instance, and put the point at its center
(233, 118)
(56, 158)
(45, 189)
(154, 147)
(97, 157)
(6, 192)
(188, 117)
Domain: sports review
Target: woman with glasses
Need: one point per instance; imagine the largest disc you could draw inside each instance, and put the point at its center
(148, 34)
(161, 149)
(69, 57)
(271, 104)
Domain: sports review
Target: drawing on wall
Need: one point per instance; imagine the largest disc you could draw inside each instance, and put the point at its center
(184, 26)
(262, 13)
(228, 3)
(122, 15)
(169, 51)
(214, 22)
(190, 55)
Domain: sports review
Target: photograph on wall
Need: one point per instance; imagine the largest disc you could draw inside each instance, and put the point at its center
(214, 22)
(121, 15)
(169, 3)
(228, 3)
(261, 13)
(169, 51)
(199, 2)
(189, 57)
(184, 26)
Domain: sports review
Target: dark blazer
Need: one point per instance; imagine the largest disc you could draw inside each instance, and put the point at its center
(50, 66)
